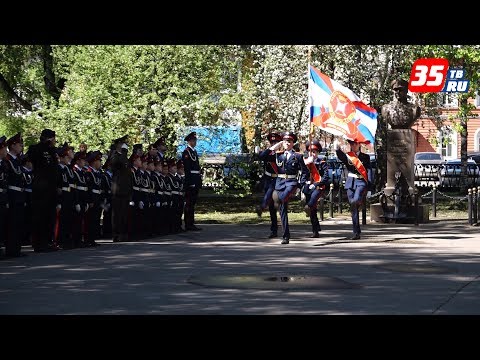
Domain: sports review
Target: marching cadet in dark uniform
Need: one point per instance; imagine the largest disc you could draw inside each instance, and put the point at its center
(122, 189)
(269, 180)
(66, 198)
(315, 187)
(107, 192)
(81, 199)
(138, 197)
(181, 190)
(289, 163)
(95, 186)
(193, 180)
(359, 173)
(3, 190)
(28, 174)
(177, 201)
(44, 191)
(138, 149)
(16, 197)
(144, 204)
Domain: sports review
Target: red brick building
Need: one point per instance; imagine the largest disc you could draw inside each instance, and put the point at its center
(430, 138)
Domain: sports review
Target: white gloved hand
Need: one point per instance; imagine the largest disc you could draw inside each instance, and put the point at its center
(7, 205)
(276, 146)
(164, 203)
(308, 160)
(131, 203)
(311, 186)
(157, 204)
(59, 207)
(369, 193)
(141, 205)
(297, 192)
(307, 182)
(192, 186)
(78, 208)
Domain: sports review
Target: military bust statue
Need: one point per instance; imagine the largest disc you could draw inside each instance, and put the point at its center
(399, 113)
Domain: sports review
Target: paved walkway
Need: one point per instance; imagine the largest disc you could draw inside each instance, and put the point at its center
(151, 277)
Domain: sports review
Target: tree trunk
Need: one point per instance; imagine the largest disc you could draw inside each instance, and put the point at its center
(49, 78)
(5, 86)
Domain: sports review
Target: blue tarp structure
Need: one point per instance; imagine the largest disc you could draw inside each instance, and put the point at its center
(214, 140)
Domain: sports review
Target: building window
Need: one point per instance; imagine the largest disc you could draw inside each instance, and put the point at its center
(477, 100)
(447, 142)
(448, 100)
(476, 140)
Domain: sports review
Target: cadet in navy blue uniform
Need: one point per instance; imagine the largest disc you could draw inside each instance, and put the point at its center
(44, 190)
(96, 197)
(16, 197)
(66, 198)
(315, 187)
(3, 190)
(289, 164)
(193, 180)
(359, 173)
(138, 199)
(28, 173)
(81, 199)
(269, 180)
(107, 192)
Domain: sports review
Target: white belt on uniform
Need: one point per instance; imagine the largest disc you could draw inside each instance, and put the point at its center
(144, 190)
(175, 192)
(271, 175)
(66, 189)
(16, 188)
(167, 193)
(355, 176)
(73, 186)
(285, 176)
(96, 191)
(195, 171)
(136, 188)
(160, 192)
(83, 188)
(27, 190)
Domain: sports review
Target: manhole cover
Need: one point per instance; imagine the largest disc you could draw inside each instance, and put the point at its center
(418, 268)
(265, 282)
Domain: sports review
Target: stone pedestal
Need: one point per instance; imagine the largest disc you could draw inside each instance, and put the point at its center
(400, 157)
(376, 214)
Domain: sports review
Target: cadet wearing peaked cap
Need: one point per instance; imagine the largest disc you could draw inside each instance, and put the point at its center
(193, 180)
(191, 136)
(44, 190)
(122, 189)
(269, 179)
(121, 140)
(16, 197)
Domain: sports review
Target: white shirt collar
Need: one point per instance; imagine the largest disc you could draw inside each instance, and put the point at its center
(13, 156)
(191, 147)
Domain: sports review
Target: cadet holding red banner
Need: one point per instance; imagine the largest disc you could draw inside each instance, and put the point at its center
(315, 187)
(359, 173)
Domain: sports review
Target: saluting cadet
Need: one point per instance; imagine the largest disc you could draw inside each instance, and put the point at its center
(315, 187)
(269, 179)
(81, 199)
(289, 165)
(359, 173)
(16, 197)
(3, 190)
(193, 180)
(96, 198)
(66, 198)
(28, 174)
